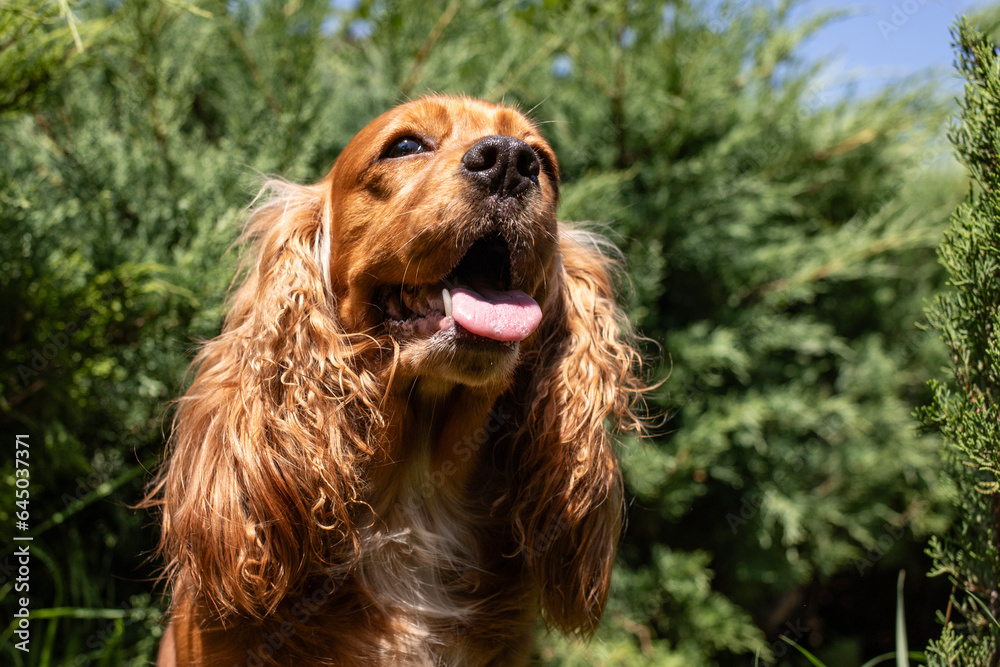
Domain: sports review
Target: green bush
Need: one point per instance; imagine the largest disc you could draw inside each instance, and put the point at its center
(964, 407)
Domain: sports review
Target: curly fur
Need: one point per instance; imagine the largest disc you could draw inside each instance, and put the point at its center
(337, 494)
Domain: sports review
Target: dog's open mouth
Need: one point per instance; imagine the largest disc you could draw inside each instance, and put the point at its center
(475, 299)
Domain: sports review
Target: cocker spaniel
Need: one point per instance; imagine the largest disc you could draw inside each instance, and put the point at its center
(396, 450)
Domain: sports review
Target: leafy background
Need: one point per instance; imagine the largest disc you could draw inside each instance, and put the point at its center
(781, 249)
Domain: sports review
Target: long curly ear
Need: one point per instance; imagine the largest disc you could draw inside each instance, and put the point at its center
(263, 463)
(568, 509)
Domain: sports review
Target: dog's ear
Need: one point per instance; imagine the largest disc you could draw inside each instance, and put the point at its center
(267, 443)
(568, 496)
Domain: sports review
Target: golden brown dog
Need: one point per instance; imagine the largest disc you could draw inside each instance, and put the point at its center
(395, 452)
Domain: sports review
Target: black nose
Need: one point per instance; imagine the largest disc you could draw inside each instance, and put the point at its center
(503, 165)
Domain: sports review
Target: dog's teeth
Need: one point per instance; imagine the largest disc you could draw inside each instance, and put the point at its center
(446, 297)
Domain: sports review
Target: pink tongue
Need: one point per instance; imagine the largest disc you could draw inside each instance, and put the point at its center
(503, 316)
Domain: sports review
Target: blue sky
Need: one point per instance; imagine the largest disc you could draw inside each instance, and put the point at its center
(884, 41)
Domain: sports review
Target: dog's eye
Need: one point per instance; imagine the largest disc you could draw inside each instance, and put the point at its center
(405, 146)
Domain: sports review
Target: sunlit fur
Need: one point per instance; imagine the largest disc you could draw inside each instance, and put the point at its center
(336, 496)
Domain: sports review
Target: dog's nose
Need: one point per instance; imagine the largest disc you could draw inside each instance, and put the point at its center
(504, 165)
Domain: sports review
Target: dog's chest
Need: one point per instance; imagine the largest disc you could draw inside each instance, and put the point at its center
(423, 563)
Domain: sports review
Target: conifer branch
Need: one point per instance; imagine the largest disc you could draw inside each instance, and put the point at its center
(965, 410)
(425, 51)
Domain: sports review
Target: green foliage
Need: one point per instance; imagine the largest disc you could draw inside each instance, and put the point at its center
(780, 245)
(783, 246)
(964, 408)
(38, 42)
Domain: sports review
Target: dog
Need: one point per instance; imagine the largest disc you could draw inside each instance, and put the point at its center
(397, 450)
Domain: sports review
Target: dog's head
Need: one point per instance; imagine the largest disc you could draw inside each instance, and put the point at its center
(443, 231)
